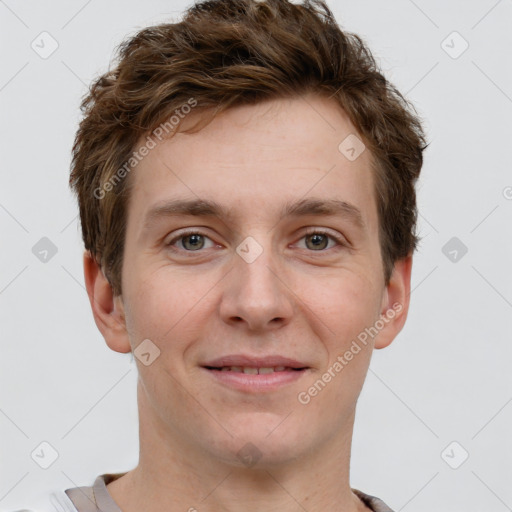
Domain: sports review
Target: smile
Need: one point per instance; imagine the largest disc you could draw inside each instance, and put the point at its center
(252, 370)
(255, 380)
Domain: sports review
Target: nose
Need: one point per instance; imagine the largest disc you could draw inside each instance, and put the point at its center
(255, 296)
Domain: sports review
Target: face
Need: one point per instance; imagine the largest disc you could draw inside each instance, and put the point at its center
(253, 244)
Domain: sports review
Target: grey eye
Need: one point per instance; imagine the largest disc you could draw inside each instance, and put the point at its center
(196, 241)
(318, 241)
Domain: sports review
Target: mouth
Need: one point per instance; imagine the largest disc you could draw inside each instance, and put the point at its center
(255, 375)
(254, 370)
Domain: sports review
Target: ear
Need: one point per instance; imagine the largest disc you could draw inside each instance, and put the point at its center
(108, 311)
(395, 302)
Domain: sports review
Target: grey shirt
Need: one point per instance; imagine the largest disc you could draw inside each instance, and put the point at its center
(96, 498)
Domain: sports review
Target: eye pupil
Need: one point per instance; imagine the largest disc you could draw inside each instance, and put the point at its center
(194, 238)
(317, 240)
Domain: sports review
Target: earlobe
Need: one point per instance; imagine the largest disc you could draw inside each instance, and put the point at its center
(108, 310)
(395, 303)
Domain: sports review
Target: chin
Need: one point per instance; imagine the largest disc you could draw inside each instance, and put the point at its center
(261, 440)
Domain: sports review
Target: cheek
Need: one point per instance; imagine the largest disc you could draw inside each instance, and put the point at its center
(347, 307)
(346, 302)
(164, 303)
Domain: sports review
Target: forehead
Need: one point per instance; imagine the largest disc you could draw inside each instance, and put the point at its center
(259, 158)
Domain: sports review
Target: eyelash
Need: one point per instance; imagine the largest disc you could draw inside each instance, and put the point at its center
(312, 231)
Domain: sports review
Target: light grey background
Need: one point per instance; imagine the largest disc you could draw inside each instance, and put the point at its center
(445, 378)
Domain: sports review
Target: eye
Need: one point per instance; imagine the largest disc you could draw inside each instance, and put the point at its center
(189, 241)
(318, 239)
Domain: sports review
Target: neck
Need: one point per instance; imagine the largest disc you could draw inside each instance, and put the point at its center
(174, 476)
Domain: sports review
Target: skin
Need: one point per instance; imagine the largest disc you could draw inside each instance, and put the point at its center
(295, 300)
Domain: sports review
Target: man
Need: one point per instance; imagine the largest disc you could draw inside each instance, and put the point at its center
(245, 181)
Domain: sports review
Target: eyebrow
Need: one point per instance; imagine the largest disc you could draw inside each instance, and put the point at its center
(208, 208)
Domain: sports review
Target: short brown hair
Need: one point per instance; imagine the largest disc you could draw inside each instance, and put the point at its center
(227, 53)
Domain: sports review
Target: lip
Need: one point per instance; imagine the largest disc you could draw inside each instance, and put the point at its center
(255, 383)
(254, 362)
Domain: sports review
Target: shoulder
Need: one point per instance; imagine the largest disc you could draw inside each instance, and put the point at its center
(89, 498)
(57, 501)
(372, 502)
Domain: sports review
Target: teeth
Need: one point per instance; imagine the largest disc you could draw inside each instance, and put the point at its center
(253, 371)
